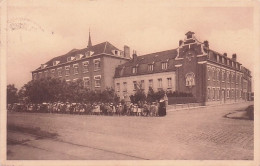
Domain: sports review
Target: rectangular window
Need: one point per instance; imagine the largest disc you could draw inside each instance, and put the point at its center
(164, 65)
(97, 64)
(208, 73)
(125, 86)
(67, 70)
(208, 93)
(160, 83)
(34, 76)
(85, 66)
(151, 83)
(227, 93)
(97, 81)
(214, 93)
(118, 87)
(86, 82)
(59, 72)
(223, 76)
(46, 74)
(169, 82)
(135, 85)
(76, 68)
(52, 72)
(142, 84)
(150, 67)
(40, 74)
(134, 70)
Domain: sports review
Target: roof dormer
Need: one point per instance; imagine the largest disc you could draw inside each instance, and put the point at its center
(55, 63)
(89, 53)
(78, 56)
(43, 66)
(70, 58)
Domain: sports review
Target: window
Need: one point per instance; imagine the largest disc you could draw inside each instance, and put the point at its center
(142, 84)
(223, 76)
(118, 87)
(35, 76)
(228, 77)
(97, 64)
(89, 53)
(55, 63)
(40, 74)
(150, 67)
(151, 83)
(59, 72)
(70, 58)
(164, 65)
(214, 93)
(97, 81)
(208, 93)
(85, 66)
(169, 82)
(159, 83)
(135, 85)
(46, 73)
(67, 70)
(209, 73)
(76, 68)
(218, 76)
(124, 86)
(78, 56)
(214, 74)
(86, 82)
(134, 70)
(52, 72)
(227, 93)
(190, 79)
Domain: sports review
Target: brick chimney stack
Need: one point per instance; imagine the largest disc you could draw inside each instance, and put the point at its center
(126, 51)
(234, 57)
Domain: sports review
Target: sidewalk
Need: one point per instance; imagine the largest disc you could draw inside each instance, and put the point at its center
(188, 106)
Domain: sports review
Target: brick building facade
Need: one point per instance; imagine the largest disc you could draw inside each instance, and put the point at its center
(192, 67)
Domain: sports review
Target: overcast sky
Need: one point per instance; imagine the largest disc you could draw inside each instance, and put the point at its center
(53, 29)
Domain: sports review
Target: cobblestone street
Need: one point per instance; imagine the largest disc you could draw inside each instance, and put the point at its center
(194, 134)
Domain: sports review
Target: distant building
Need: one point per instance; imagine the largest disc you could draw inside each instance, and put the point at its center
(95, 65)
(192, 67)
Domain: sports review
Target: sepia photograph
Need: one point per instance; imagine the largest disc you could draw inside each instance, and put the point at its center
(129, 80)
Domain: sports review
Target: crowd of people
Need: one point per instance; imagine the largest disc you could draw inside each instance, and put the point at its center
(120, 109)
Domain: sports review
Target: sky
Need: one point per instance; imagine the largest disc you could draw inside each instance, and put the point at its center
(41, 30)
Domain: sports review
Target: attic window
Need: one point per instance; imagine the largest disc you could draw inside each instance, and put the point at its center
(134, 70)
(164, 65)
(43, 66)
(55, 63)
(89, 53)
(70, 59)
(78, 56)
(150, 67)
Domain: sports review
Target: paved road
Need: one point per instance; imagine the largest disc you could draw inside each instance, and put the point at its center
(195, 134)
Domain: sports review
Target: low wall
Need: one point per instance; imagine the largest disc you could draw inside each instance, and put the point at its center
(181, 100)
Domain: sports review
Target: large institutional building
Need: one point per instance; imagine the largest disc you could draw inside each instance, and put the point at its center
(192, 67)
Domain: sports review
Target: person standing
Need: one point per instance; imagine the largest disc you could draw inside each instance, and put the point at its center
(162, 108)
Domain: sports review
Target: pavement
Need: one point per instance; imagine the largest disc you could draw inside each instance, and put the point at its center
(203, 133)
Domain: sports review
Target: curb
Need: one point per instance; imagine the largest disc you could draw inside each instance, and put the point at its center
(215, 105)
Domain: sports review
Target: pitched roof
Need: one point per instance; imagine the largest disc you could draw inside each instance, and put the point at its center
(101, 48)
(144, 60)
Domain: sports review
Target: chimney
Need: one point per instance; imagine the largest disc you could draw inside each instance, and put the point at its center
(134, 55)
(234, 57)
(126, 51)
(206, 43)
(225, 54)
(180, 42)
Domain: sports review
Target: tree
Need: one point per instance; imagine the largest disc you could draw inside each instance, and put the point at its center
(139, 95)
(12, 95)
